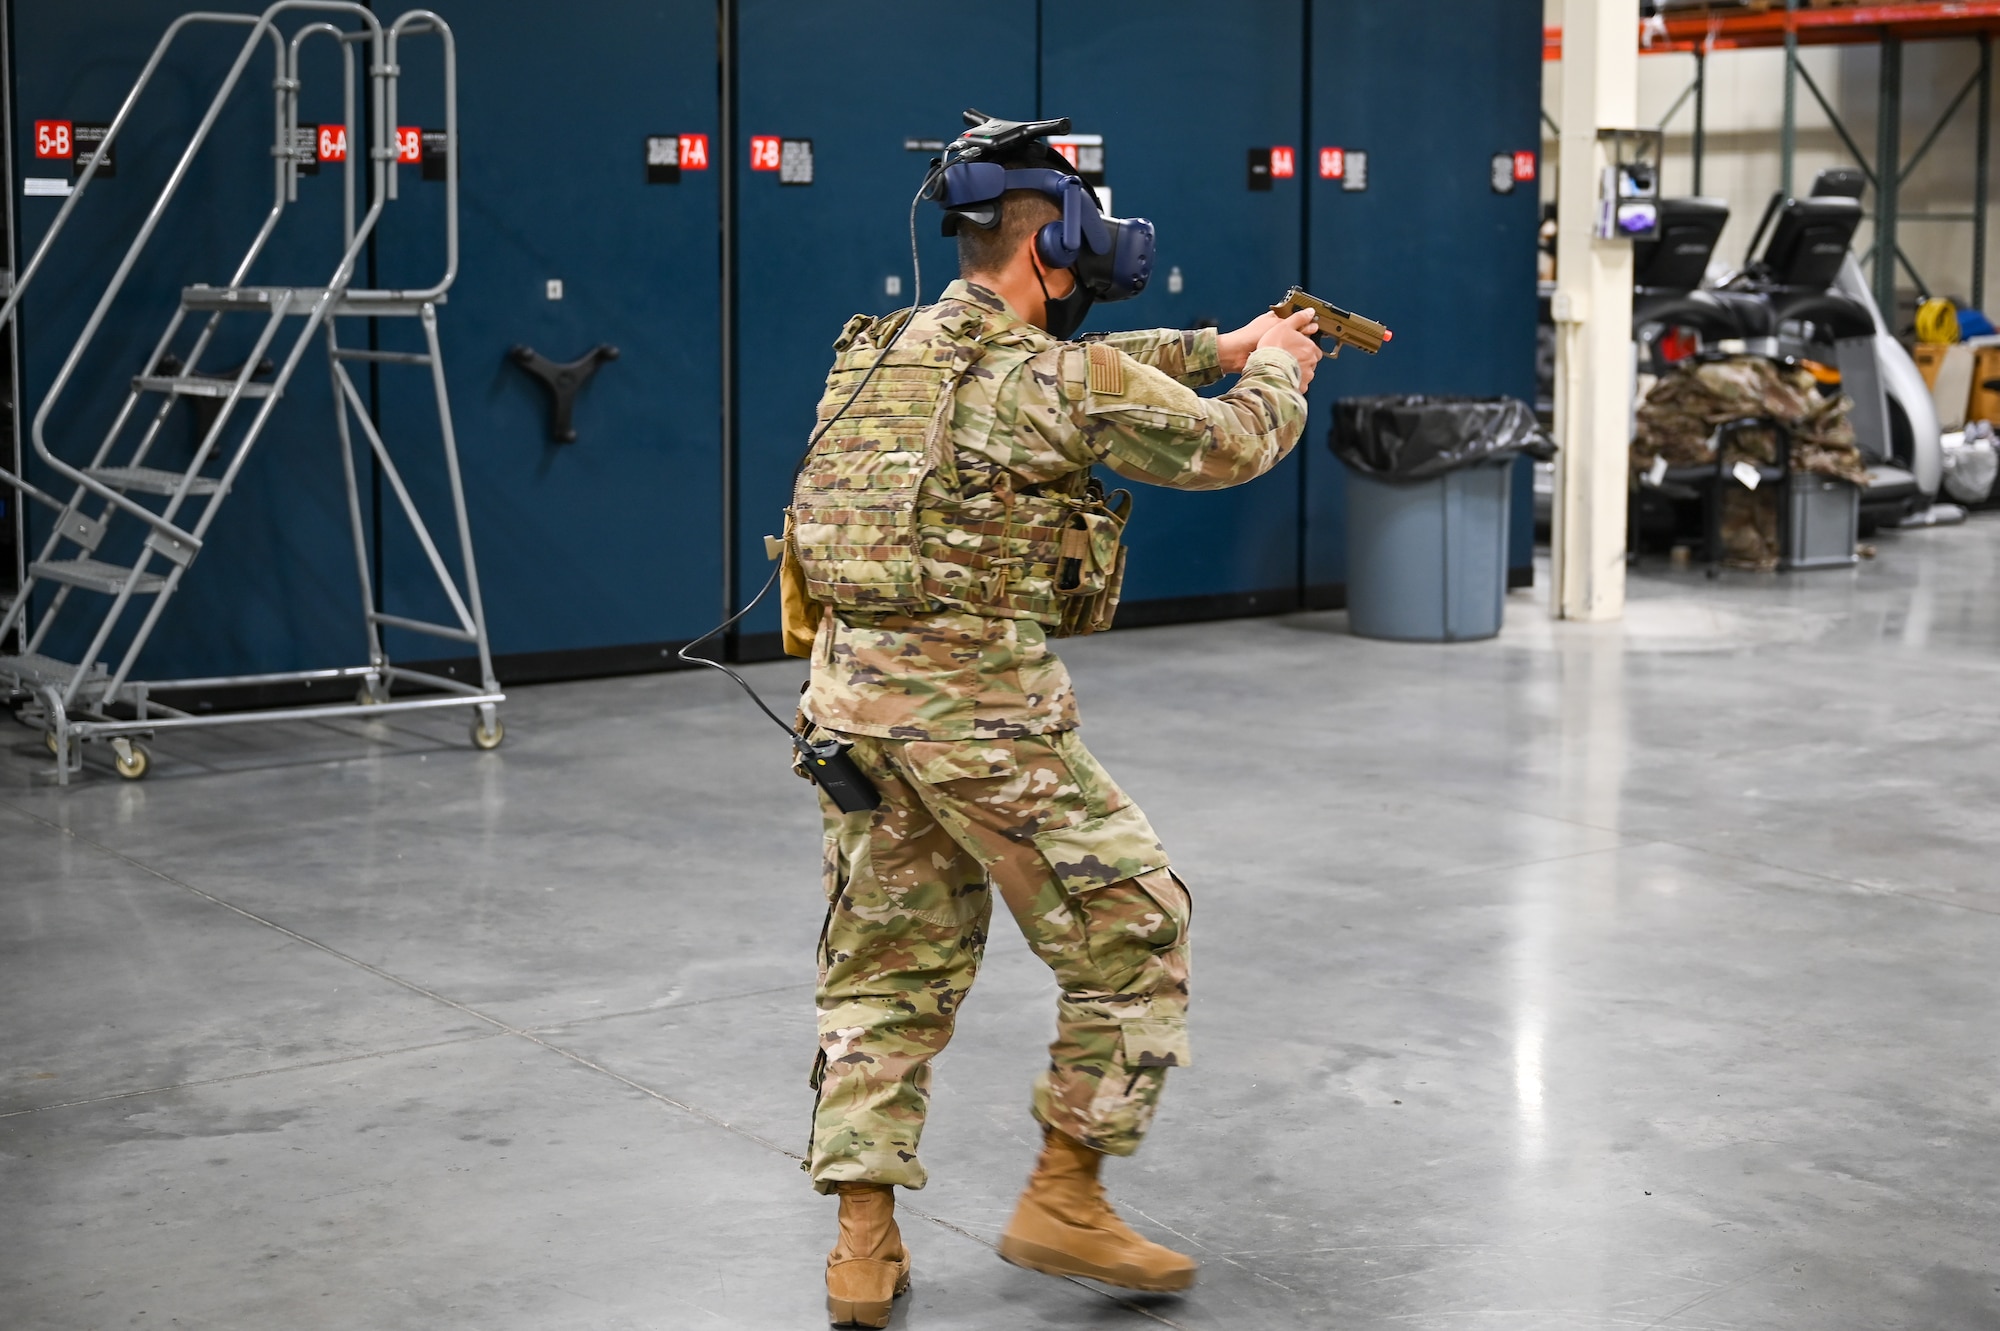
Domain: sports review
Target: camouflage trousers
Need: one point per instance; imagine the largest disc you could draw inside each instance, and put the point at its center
(909, 898)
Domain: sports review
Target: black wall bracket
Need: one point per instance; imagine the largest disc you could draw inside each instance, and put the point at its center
(564, 382)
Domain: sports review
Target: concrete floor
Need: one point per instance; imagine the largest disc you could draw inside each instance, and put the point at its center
(1640, 975)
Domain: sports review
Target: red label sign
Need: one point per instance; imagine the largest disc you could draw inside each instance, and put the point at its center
(1068, 150)
(333, 143)
(765, 152)
(409, 143)
(54, 138)
(1524, 166)
(1332, 163)
(1283, 164)
(694, 152)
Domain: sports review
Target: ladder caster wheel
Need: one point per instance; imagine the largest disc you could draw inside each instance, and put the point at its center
(136, 767)
(488, 737)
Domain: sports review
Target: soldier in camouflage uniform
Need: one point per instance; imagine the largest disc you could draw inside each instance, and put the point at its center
(965, 720)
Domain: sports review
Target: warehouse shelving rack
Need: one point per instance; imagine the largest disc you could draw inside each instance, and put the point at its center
(1889, 26)
(88, 699)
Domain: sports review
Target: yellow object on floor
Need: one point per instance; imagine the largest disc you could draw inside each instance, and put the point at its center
(1937, 322)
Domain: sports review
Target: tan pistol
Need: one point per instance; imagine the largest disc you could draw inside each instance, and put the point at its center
(1344, 326)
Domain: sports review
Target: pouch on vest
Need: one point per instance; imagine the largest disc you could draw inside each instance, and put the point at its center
(798, 613)
(1091, 571)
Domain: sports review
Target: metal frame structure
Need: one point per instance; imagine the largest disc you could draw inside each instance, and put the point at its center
(84, 701)
(1886, 25)
(10, 435)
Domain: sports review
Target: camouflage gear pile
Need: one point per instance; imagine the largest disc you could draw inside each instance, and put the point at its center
(964, 719)
(1678, 422)
(1030, 417)
(908, 905)
(1678, 418)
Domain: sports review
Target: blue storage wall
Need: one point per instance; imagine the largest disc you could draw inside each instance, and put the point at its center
(601, 554)
(1236, 250)
(604, 553)
(858, 80)
(1431, 93)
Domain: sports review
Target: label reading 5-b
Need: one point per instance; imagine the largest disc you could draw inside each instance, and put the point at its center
(54, 139)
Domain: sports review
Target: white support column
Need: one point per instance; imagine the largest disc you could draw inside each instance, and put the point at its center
(1593, 311)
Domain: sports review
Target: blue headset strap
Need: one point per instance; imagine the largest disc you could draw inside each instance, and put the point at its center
(980, 182)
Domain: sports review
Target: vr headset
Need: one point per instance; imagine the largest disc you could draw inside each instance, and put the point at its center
(1112, 257)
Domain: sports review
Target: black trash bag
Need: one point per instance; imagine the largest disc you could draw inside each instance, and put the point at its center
(1413, 437)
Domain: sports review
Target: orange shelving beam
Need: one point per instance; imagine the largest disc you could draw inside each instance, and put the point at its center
(1848, 25)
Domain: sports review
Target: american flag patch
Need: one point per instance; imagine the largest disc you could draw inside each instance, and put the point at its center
(1107, 369)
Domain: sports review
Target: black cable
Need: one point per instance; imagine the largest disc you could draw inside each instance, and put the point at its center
(916, 299)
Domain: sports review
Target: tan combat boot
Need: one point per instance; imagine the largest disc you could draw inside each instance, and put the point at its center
(869, 1266)
(1064, 1227)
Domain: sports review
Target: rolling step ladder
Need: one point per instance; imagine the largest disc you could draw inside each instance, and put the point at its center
(89, 597)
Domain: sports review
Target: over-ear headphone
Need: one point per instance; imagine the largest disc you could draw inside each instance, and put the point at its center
(1060, 243)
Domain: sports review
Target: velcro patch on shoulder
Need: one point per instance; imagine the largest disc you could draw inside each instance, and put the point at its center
(1107, 370)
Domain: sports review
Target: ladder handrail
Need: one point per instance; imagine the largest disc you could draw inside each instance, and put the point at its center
(291, 116)
(28, 273)
(412, 23)
(263, 24)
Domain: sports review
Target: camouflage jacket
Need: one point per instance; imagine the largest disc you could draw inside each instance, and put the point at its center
(951, 675)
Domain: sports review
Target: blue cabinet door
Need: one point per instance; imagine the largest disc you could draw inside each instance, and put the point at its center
(601, 554)
(1431, 94)
(1182, 96)
(859, 81)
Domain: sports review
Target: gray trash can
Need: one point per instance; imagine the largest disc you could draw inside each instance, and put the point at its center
(1429, 506)
(1427, 560)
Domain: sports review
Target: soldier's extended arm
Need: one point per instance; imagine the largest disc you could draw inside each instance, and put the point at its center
(1146, 427)
(1185, 355)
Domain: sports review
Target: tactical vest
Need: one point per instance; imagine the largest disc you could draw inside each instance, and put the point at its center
(888, 517)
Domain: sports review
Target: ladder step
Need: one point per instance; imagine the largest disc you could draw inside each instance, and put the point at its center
(151, 480)
(382, 357)
(262, 300)
(34, 668)
(195, 387)
(95, 575)
(203, 297)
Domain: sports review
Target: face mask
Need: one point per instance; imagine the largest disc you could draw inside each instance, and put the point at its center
(1064, 316)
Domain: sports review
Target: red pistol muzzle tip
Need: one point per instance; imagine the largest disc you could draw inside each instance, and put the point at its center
(1388, 336)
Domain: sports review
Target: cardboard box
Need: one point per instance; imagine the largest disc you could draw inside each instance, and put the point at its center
(1951, 385)
(1985, 403)
(1928, 356)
